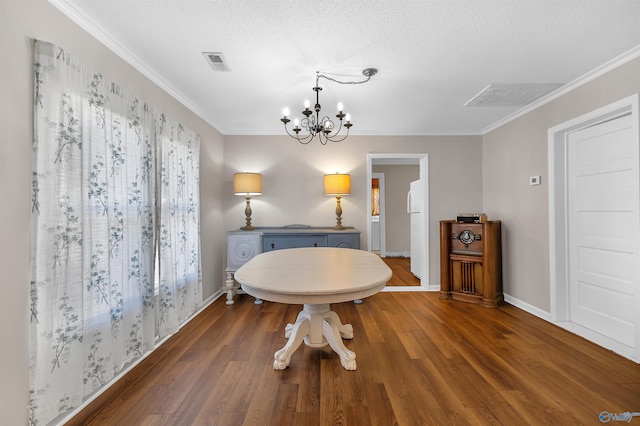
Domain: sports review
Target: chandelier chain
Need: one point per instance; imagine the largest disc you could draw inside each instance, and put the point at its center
(318, 76)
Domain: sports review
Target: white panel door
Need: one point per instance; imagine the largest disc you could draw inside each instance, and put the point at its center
(603, 229)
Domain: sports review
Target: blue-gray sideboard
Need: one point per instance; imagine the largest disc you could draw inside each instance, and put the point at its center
(244, 245)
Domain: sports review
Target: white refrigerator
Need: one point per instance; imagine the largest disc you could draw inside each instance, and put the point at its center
(415, 205)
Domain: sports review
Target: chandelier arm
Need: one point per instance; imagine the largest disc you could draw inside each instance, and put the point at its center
(308, 123)
(323, 138)
(337, 132)
(333, 132)
(303, 141)
(332, 139)
(287, 130)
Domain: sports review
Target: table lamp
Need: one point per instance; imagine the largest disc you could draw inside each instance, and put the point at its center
(337, 185)
(247, 185)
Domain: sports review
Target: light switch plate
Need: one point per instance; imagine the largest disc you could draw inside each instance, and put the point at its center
(534, 180)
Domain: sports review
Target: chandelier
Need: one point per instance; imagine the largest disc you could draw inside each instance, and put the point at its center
(324, 127)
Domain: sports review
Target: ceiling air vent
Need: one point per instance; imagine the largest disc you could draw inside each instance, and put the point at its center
(511, 94)
(216, 60)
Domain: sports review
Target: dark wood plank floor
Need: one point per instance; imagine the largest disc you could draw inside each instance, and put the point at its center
(421, 361)
(401, 270)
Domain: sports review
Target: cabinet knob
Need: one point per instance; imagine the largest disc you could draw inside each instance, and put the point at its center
(315, 244)
(273, 245)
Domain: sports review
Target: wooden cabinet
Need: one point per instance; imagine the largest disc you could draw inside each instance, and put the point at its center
(244, 245)
(471, 262)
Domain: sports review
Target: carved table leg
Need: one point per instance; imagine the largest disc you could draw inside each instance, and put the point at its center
(289, 328)
(297, 333)
(332, 334)
(346, 330)
(230, 284)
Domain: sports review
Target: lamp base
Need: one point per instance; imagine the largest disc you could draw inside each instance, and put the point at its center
(338, 226)
(247, 213)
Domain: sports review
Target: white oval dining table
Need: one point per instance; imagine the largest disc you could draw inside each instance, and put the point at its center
(314, 277)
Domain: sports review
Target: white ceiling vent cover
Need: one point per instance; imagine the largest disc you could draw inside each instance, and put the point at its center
(217, 61)
(511, 94)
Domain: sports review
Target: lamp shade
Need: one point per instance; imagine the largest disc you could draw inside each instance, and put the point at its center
(247, 184)
(337, 184)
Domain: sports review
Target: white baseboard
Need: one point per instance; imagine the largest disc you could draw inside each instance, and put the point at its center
(398, 254)
(592, 336)
(527, 307)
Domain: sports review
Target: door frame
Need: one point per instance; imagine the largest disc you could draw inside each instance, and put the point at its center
(405, 159)
(558, 229)
(382, 222)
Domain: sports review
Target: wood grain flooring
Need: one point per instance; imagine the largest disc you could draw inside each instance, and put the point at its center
(401, 272)
(421, 361)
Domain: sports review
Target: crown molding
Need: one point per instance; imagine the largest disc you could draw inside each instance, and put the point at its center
(103, 37)
(580, 81)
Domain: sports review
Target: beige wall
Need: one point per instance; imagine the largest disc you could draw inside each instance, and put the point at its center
(518, 150)
(397, 220)
(21, 22)
(293, 173)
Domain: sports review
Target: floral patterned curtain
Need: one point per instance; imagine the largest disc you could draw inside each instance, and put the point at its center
(179, 234)
(95, 219)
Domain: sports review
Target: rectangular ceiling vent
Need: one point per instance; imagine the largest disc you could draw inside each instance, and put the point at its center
(216, 60)
(511, 94)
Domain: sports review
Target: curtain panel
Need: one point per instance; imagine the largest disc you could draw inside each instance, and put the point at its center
(97, 217)
(180, 289)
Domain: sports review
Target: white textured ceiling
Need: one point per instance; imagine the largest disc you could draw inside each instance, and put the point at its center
(432, 56)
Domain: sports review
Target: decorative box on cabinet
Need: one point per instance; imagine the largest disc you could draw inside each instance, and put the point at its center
(244, 245)
(471, 262)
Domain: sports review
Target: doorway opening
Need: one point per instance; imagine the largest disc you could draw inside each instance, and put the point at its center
(378, 215)
(422, 242)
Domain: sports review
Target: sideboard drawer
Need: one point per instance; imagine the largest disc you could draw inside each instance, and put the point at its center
(278, 242)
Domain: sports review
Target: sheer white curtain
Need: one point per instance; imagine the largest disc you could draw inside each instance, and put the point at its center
(179, 234)
(95, 220)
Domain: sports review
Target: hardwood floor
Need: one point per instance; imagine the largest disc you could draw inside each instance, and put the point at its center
(401, 269)
(421, 361)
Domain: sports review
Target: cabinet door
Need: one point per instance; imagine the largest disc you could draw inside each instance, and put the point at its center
(278, 242)
(241, 248)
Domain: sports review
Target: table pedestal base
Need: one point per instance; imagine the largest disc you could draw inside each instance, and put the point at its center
(317, 326)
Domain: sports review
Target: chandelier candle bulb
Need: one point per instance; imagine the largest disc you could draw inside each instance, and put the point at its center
(285, 113)
(340, 107)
